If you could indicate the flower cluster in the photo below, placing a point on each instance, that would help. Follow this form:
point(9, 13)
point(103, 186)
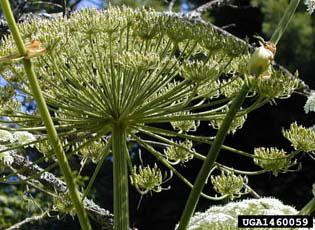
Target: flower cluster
point(229, 184)
point(24, 138)
point(10, 141)
point(180, 152)
point(272, 159)
point(147, 179)
point(225, 217)
point(5, 137)
point(93, 150)
point(185, 125)
point(63, 204)
point(236, 124)
point(301, 138)
point(137, 68)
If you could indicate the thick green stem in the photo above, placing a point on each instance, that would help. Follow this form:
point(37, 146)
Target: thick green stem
point(285, 20)
point(309, 208)
point(210, 160)
point(121, 207)
point(218, 142)
point(51, 131)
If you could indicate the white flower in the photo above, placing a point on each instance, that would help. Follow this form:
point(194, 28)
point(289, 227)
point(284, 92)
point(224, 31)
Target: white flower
point(23, 138)
point(310, 103)
point(225, 217)
point(5, 136)
point(310, 5)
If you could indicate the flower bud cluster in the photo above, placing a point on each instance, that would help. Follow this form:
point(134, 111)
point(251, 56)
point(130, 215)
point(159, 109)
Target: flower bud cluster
point(63, 204)
point(236, 124)
point(146, 179)
point(229, 184)
point(199, 71)
point(272, 159)
point(185, 125)
point(94, 151)
point(182, 152)
point(301, 138)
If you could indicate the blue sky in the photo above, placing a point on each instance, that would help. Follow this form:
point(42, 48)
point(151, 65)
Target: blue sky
point(90, 4)
point(100, 4)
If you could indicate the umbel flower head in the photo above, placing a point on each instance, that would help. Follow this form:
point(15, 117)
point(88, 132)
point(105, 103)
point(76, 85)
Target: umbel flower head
point(180, 153)
point(301, 138)
point(225, 217)
point(147, 179)
point(229, 184)
point(137, 68)
point(272, 159)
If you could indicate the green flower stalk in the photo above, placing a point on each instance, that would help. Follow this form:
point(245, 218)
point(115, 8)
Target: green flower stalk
point(211, 158)
point(259, 67)
point(120, 72)
point(309, 208)
point(36, 91)
point(284, 22)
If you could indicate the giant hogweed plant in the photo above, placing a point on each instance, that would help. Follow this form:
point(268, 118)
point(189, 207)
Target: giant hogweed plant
point(107, 78)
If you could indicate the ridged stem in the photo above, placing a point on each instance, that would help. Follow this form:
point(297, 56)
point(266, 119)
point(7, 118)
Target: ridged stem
point(309, 208)
point(211, 158)
point(121, 206)
point(43, 109)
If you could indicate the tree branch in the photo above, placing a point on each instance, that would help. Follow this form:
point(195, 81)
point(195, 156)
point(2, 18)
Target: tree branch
point(99, 215)
point(171, 5)
point(28, 220)
point(209, 6)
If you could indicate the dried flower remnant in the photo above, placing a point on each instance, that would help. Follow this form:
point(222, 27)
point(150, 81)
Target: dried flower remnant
point(260, 62)
point(33, 49)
